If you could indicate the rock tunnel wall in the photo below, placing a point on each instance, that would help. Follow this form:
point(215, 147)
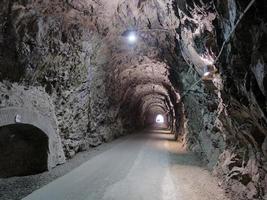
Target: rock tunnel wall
point(53, 46)
point(226, 115)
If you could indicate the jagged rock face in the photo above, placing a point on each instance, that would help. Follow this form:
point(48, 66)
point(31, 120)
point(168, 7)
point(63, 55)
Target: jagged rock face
point(230, 127)
point(243, 66)
point(76, 54)
point(51, 51)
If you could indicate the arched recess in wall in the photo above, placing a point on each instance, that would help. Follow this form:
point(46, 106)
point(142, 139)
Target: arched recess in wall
point(28, 125)
point(24, 150)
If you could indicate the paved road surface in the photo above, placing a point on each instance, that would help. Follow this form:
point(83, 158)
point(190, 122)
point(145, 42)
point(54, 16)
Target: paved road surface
point(145, 166)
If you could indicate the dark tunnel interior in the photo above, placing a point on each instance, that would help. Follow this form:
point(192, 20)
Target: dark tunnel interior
point(24, 150)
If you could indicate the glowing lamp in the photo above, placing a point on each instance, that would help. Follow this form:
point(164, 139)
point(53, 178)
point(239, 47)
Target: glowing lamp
point(132, 38)
point(208, 70)
point(206, 74)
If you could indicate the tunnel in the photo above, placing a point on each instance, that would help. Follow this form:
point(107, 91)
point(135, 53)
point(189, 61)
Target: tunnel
point(24, 150)
point(133, 99)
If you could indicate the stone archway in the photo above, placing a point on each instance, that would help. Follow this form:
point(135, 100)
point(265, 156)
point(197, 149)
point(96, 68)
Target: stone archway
point(36, 135)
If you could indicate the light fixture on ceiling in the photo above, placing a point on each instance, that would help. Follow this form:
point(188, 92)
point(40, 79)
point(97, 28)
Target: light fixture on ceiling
point(132, 37)
point(206, 74)
point(133, 34)
point(209, 70)
point(206, 71)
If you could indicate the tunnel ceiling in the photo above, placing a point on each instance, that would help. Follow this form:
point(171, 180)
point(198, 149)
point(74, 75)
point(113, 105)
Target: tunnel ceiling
point(139, 72)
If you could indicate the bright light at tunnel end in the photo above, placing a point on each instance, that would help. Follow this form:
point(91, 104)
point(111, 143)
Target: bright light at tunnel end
point(159, 119)
point(132, 37)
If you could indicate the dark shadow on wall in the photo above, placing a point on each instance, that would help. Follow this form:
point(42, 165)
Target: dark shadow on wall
point(24, 150)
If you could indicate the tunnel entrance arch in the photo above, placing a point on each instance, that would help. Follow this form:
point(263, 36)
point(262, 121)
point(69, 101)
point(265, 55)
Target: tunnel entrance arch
point(28, 125)
point(24, 150)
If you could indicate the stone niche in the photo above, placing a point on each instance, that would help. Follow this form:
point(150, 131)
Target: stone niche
point(28, 143)
point(24, 150)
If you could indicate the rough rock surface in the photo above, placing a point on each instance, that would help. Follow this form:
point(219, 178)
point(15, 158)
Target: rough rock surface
point(44, 45)
point(226, 115)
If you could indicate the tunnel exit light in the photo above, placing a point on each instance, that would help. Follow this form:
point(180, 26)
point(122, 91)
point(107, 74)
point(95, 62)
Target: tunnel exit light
point(159, 119)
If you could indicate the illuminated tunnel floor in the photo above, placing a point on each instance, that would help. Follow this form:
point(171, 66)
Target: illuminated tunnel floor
point(143, 167)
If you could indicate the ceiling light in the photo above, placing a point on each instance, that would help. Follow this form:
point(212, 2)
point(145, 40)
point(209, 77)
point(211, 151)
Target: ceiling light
point(132, 38)
point(207, 70)
point(206, 74)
